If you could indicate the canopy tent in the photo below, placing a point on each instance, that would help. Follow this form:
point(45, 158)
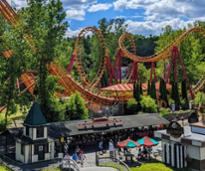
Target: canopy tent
point(147, 141)
point(128, 143)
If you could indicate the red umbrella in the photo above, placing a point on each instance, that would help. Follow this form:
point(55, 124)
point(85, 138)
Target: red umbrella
point(128, 143)
point(147, 141)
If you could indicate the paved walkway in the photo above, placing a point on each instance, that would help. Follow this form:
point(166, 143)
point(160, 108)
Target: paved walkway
point(98, 169)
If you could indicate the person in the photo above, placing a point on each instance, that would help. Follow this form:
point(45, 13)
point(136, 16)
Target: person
point(100, 146)
point(82, 157)
point(75, 157)
point(139, 155)
point(67, 156)
point(111, 148)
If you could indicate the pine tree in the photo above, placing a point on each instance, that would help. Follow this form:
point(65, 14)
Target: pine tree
point(76, 107)
point(184, 89)
point(44, 22)
point(175, 95)
point(185, 104)
point(163, 91)
point(153, 90)
point(141, 91)
point(136, 91)
point(148, 88)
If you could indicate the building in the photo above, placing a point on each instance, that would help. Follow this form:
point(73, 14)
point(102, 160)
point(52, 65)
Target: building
point(184, 148)
point(34, 145)
point(38, 140)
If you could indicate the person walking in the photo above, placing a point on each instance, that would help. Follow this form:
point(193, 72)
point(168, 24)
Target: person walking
point(111, 148)
point(100, 146)
point(82, 157)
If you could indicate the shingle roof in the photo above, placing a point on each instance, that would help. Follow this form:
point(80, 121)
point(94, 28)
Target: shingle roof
point(35, 116)
point(129, 121)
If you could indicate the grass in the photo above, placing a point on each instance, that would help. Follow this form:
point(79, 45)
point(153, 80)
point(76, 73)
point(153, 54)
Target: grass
point(113, 165)
point(152, 167)
point(51, 169)
point(4, 168)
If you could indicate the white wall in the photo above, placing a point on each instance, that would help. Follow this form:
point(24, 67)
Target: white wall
point(19, 157)
point(193, 152)
point(45, 132)
point(34, 133)
point(202, 153)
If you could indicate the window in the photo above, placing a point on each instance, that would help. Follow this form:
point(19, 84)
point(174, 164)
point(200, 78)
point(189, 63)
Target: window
point(22, 149)
point(27, 131)
point(39, 132)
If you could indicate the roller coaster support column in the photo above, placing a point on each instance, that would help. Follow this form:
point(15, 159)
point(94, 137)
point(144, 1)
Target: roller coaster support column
point(118, 65)
point(177, 59)
point(134, 72)
point(72, 61)
point(110, 70)
point(175, 55)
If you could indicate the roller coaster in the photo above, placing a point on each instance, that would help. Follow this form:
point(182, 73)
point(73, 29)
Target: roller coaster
point(84, 86)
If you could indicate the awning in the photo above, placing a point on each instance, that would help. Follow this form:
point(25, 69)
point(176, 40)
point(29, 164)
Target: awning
point(128, 87)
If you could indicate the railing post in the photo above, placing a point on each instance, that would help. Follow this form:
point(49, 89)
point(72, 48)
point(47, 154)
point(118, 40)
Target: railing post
point(96, 159)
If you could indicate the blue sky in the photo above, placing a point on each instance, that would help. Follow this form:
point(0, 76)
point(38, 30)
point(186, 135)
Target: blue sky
point(142, 16)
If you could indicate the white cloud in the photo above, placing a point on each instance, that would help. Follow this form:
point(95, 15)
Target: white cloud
point(99, 7)
point(72, 33)
point(17, 3)
point(76, 9)
point(131, 4)
point(159, 13)
point(154, 28)
point(77, 14)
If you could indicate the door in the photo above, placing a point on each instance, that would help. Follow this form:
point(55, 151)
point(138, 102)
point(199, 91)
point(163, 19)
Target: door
point(41, 153)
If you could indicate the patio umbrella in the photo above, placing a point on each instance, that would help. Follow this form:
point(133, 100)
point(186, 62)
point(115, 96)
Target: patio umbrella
point(147, 141)
point(128, 143)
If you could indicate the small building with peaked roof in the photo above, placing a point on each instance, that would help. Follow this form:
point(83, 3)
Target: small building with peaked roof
point(34, 145)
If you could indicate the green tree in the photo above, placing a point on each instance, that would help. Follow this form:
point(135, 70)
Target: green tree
point(12, 68)
point(191, 51)
point(44, 22)
point(76, 108)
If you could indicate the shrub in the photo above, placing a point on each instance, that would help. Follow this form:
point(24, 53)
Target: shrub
point(200, 98)
point(148, 104)
point(164, 111)
point(2, 125)
point(4, 168)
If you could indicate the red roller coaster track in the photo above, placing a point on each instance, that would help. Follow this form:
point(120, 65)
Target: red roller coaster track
point(64, 79)
point(71, 85)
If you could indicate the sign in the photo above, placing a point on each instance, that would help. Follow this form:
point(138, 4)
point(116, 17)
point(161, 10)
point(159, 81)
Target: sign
point(175, 129)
